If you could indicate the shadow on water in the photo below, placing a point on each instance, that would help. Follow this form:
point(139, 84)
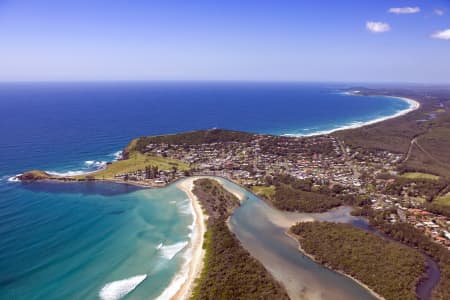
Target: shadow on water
point(83, 188)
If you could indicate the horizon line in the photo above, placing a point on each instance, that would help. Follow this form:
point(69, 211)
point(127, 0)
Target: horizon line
point(226, 81)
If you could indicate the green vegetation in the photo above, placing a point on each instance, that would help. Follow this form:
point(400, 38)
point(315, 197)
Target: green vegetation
point(390, 269)
point(217, 201)
point(418, 187)
point(229, 271)
point(430, 152)
point(35, 175)
point(418, 175)
point(192, 138)
point(137, 161)
point(423, 135)
point(411, 236)
point(264, 191)
point(443, 200)
point(437, 208)
point(291, 199)
point(292, 194)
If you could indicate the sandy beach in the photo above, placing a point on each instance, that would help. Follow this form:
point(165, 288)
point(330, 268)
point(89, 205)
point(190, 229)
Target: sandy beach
point(413, 105)
point(182, 284)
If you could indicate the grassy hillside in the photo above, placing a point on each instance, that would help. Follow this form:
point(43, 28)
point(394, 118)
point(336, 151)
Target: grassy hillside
point(137, 161)
point(390, 269)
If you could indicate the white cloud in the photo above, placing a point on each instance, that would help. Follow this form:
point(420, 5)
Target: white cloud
point(377, 27)
point(439, 12)
point(404, 10)
point(442, 35)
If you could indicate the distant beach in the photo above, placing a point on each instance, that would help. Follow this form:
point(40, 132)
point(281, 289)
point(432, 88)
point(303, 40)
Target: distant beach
point(413, 105)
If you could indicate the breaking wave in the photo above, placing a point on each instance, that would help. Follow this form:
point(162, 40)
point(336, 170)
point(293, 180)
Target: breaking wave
point(13, 178)
point(169, 251)
point(413, 105)
point(186, 207)
point(118, 289)
point(117, 155)
point(89, 166)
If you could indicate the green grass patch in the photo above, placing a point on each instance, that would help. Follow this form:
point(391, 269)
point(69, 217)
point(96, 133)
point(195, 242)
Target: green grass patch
point(443, 200)
point(418, 175)
point(135, 162)
point(264, 191)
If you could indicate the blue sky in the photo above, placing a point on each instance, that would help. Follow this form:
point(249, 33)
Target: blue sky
point(225, 40)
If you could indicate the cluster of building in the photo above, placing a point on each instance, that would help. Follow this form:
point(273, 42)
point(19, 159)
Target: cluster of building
point(435, 226)
point(249, 162)
point(322, 158)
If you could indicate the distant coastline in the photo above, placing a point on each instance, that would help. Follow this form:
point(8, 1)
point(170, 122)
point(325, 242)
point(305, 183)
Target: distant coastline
point(182, 283)
point(413, 105)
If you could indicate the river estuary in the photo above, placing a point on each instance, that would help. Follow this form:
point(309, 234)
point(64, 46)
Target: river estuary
point(261, 230)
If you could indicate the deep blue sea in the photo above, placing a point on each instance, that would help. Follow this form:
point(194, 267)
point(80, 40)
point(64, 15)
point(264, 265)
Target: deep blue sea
point(68, 241)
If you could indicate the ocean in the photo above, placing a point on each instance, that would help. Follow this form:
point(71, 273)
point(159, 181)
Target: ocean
point(107, 241)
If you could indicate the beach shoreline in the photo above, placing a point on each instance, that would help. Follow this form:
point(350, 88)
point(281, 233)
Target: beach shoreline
point(181, 286)
point(413, 106)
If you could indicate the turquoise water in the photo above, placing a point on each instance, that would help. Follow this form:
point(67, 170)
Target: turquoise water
point(76, 238)
point(67, 241)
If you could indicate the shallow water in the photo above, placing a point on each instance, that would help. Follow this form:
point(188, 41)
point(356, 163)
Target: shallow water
point(261, 230)
point(68, 241)
point(121, 240)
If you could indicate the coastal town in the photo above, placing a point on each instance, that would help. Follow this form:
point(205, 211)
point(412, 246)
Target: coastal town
point(371, 175)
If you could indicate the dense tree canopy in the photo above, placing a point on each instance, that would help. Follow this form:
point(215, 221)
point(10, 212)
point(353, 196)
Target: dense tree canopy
point(390, 269)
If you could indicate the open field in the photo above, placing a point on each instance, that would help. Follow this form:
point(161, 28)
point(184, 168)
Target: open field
point(418, 175)
point(264, 191)
point(137, 161)
point(443, 200)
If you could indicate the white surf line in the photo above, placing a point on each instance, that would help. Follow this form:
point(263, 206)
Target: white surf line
point(413, 105)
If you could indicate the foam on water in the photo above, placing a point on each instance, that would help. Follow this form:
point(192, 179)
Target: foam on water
point(117, 155)
point(186, 207)
point(14, 178)
point(118, 289)
point(90, 166)
point(169, 251)
point(180, 278)
point(68, 173)
point(96, 164)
